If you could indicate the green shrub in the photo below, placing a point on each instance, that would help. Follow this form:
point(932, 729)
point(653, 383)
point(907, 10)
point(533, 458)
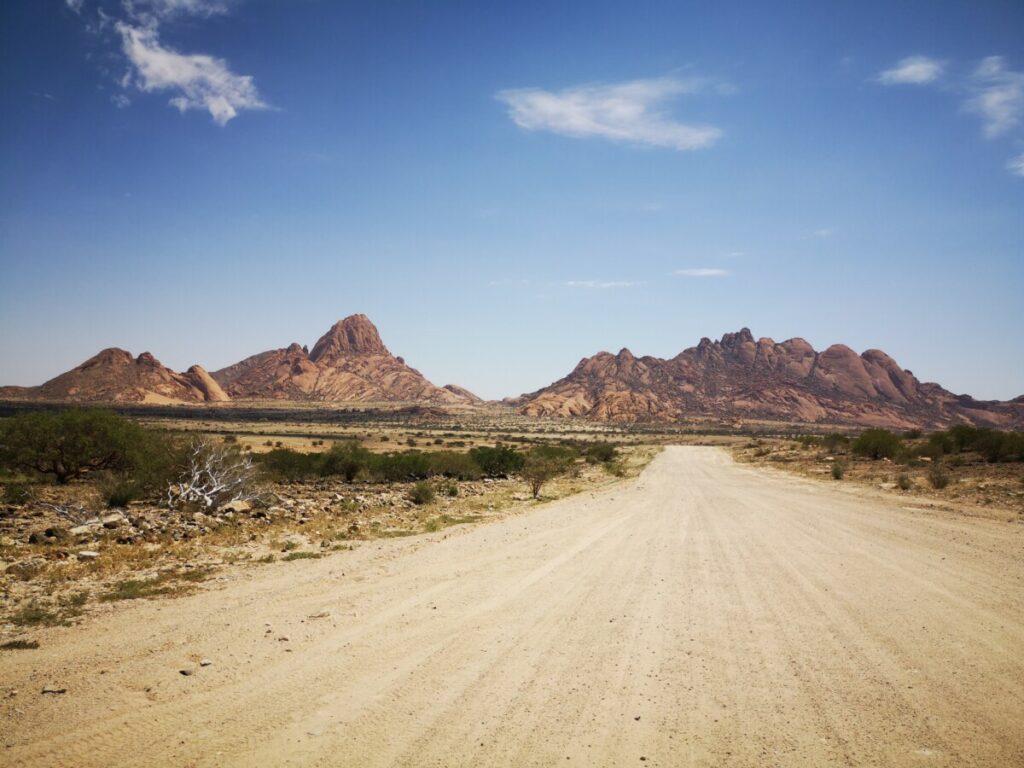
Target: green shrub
point(903, 481)
point(877, 444)
point(834, 441)
point(937, 446)
point(601, 453)
point(615, 468)
point(1000, 446)
point(120, 491)
point(286, 464)
point(401, 467)
point(938, 477)
point(459, 466)
point(348, 459)
point(545, 462)
point(838, 470)
point(500, 461)
point(963, 437)
point(18, 493)
point(422, 493)
point(70, 444)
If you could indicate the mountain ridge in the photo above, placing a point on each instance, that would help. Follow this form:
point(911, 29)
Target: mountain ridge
point(738, 378)
point(349, 363)
point(733, 380)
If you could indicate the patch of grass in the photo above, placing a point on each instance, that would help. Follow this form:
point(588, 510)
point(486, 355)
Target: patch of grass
point(135, 589)
point(396, 534)
point(18, 493)
point(938, 476)
point(26, 571)
point(838, 470)
point(168, 583)
point(903, 481)
point(20, 645)
point(422, 493)
point(615, 468)
point(445, 521)
point(267, 559)
point(301, 556)
point(35, 615)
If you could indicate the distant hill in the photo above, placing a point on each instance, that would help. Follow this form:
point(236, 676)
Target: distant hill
point(731, 381)
point(739, 378)
point(348, 363)
point(114, 376)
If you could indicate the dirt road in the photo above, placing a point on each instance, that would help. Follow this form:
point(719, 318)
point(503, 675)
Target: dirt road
point(704, 614)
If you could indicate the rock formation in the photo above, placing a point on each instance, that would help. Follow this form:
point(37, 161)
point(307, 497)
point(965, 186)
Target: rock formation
point(348, 363)
point(742, 379)
point(114, 376)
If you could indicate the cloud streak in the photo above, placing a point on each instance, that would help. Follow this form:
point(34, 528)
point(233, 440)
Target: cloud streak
point(199, 81)
point(195, 81)
point(629, 112)
point(998, 96)
point(702, 272)
point(164, 9)
point(913, 70)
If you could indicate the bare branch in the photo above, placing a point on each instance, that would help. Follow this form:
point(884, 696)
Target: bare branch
point(212, 477)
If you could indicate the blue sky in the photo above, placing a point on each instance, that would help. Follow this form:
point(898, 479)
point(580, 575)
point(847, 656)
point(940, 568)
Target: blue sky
point(507, 187)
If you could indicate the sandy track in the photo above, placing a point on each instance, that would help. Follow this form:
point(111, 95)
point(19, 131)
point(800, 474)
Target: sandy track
point(705, 614)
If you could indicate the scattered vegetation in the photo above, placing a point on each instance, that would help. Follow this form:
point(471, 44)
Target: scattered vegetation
point(20, 645)
point(18, 493)
point(301, 556)
point(877, 444)
point(35, 615)
point(938, 477)
point(422, 493)
point(66, 445)
point(168, 583)
point(544, 463)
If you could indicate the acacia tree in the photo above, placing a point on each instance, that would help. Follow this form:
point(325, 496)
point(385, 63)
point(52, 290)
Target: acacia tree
point(544, 463)
point(70, 444)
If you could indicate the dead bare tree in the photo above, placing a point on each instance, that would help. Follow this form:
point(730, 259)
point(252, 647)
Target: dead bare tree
point(76, 514)
point(212, 476)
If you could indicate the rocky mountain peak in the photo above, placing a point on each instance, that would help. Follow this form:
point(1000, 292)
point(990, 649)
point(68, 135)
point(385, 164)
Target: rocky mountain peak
point(355, 335)
point(738, 378)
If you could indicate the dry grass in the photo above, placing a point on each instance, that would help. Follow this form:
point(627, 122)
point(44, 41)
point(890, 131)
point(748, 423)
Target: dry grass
point(971, 485)
point(46, 588)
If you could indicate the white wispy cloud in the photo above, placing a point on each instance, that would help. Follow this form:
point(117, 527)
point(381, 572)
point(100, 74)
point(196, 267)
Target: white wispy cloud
point(913, 70)
point(627, 112)
point(702, 272)
point(1016, 165)
point(163, 9)
point(997, 95)
point(824, 232)
point(199, 81)
point(602, 283)
point(193, 80)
